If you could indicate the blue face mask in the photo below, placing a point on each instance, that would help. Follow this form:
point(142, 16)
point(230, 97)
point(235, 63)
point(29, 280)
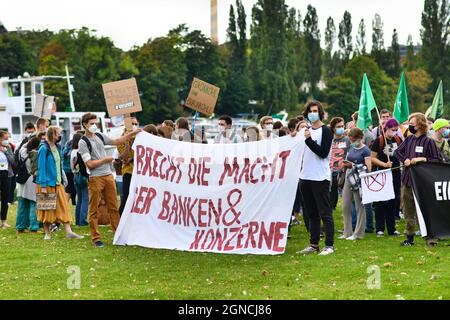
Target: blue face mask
point(446, 133)
point(313, 117)
point(340, 131)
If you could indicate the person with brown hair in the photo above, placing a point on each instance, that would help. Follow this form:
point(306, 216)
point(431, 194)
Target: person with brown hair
point(151, 128)
point(315, 178)
point(415, 149)
point(339, 149)
point(251, 134)
point(101, 180)
point(50, 180)
point(358, 155)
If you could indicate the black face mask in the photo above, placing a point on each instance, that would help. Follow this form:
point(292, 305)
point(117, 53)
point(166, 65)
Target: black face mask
point(59, 139)
point(412, 129)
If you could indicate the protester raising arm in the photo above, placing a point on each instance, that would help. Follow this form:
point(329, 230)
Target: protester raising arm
point(322, 150)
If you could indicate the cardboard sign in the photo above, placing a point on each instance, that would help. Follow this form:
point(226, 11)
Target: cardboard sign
point(202, 97)
point(122, 97)
point(43, 106)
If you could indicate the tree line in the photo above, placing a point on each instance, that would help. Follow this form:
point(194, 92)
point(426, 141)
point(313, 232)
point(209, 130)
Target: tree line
point(280, 64)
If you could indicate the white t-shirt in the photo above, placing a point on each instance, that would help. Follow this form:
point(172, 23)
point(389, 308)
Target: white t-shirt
point(3, 162)
point(314, 167)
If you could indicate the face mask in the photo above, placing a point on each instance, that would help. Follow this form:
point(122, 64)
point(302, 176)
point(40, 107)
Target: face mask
point(430, 133)
point(269, 127)
point(221, 129)
point(59, 139)
point(356, 144)
point(313, 117)
point(340, 131)
point(135, 128)
point(5, 143)
point(93, 128)
point(446, 133)
point(412, 129)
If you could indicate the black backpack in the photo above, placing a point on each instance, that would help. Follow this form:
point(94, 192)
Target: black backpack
point(22, 171)
point(17, 156)
point(81, 165)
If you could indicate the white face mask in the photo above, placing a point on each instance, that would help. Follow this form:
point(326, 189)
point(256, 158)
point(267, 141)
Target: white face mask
point(135, 128)
point(93, 128)
point(5, 143)
point(269, 127)
point(222, 129)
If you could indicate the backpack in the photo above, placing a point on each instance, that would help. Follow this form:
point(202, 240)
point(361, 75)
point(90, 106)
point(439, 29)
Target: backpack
point(66, 156)
point(21, 171)
point(17, 155)
point(81, 165)
point(381, 141)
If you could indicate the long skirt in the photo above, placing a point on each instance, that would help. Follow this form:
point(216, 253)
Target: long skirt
point(62, 213)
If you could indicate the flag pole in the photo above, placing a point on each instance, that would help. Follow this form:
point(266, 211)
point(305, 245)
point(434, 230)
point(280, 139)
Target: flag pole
point(384, 136)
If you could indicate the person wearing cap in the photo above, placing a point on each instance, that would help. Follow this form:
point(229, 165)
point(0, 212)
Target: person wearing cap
point(441, 134)
point(383, 158)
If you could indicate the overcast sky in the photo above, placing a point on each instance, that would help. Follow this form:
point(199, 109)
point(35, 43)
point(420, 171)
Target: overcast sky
point(133, 22)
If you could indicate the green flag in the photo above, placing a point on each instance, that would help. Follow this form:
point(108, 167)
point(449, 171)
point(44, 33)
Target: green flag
point(366, 105)
point(437, 108)
point(401, 109)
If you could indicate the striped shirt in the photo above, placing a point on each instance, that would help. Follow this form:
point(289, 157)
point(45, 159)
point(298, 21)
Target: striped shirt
point(416, 147)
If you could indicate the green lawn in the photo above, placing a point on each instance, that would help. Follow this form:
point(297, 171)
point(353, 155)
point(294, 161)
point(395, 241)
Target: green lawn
point(31, 268)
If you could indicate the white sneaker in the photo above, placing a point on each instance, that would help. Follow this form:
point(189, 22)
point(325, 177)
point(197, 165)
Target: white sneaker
point(47, 237)
point(396, 234)
point(73, 235)
point(418, 233)
point(380, 234)
point(352, 238)
point(326, 251)
point(342, 237)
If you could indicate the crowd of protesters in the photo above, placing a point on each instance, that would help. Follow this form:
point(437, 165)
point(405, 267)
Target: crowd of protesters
point(82, 173)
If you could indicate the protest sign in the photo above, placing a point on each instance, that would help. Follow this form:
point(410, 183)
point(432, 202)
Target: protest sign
point(234, 198)
point(122, 98)
point(202, 97)
point(43, 106)
point(377, 186)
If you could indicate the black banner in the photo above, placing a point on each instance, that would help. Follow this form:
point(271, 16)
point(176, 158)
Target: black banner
point(431, 186)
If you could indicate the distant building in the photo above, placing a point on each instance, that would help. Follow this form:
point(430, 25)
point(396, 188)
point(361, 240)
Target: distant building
point(2, 28)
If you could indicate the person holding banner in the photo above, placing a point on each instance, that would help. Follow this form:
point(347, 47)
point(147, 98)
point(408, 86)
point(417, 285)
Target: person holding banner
point(415, 149)
point(50, 180)
point(315, 178)
point(101, 181)
point(358, 154)
point(383, 158)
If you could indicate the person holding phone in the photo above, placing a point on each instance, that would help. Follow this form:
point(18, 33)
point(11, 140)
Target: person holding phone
point(358, 154)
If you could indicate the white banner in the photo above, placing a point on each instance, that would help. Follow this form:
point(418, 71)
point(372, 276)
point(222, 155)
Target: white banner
point(234, 198)
point(377, 186)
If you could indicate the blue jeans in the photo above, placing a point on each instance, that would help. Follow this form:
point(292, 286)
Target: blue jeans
point(369, 217)
point(26, 215)
point(81, 210)
point(119, 187)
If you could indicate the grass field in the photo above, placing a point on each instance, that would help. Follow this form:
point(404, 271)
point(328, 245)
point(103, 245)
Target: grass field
point(31, 268)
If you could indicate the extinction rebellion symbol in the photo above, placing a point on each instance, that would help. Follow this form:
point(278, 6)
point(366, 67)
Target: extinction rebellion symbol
point(375, 183)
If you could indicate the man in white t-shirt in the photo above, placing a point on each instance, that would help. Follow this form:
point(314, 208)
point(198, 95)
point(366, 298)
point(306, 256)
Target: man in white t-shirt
point(315, 178)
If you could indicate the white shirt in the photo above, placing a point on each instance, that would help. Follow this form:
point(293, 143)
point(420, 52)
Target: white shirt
point(3, 162)
point(314, 167)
